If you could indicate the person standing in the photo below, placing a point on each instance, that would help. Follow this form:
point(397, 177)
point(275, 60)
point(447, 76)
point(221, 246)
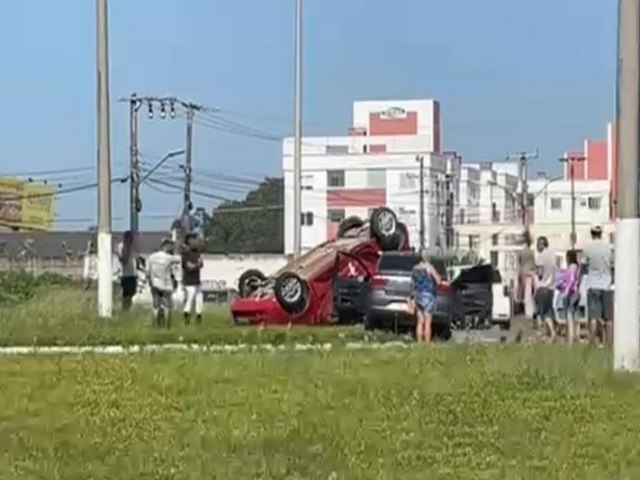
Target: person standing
point(424, 283)
point(568, 296)
point(598, 258)
point(126, 251)
point(191, 266)
point(546, 266)
point(526, 261)
point(160, 268)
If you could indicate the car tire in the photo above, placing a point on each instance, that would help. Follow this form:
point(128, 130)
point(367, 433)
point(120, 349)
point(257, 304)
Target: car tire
point(248, 282)
point(348, 224)
point(292, 293)
point(397, 240)
point(383, 225)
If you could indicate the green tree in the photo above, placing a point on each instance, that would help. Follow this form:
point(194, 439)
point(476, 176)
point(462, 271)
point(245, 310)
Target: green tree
point(252, 225)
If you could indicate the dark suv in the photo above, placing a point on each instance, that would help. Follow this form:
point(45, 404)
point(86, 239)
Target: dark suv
point(466, 303)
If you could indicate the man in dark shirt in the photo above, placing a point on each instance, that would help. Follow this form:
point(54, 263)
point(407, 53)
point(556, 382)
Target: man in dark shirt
point(191, 266)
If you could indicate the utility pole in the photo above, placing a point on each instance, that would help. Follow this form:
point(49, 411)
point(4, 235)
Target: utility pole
point(163, 103)
point(523, 159)
point(105, 274)
point(297, 149)
point(626, 331)
point(420, 160)
point(571, 161)
point(188, 170)
point(448, 213)
point(134, 165)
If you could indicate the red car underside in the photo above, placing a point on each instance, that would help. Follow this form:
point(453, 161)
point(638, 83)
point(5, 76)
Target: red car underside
point(347, 257)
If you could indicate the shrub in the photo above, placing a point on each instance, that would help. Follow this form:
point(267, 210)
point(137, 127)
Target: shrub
point(17, 287)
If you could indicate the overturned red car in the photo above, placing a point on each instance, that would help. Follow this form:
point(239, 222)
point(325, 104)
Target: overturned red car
point(302, 292)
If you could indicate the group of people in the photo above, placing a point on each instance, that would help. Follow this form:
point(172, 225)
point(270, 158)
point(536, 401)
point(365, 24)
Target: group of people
point(552, 295)
point(161, 270)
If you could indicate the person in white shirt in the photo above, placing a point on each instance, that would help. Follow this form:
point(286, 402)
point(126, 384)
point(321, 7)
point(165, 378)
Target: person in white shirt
point(126, 251)
point(162, 281)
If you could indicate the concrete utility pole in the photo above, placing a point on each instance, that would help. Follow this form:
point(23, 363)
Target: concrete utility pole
point(134, 164)
point(420, 160)
point(448, 213)
point(188, 170)
point(571, 161)
point(297, 149)
point(105, 273)
point(523, 173)
point(626, 331)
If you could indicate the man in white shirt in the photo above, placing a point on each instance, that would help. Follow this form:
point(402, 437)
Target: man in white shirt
point(598, 258)
point(162, 281)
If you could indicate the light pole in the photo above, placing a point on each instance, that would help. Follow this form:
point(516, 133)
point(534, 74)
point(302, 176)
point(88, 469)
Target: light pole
point(105, 280)
point(297, 148)
point(626, 330)
point(571, 162)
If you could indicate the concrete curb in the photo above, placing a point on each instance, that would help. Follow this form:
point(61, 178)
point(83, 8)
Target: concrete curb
point(192, 348)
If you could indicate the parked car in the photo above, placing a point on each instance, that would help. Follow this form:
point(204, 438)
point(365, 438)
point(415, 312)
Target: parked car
point(464, 303)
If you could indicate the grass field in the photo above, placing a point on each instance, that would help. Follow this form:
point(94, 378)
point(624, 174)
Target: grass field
point(434, 412)
point(68, 317)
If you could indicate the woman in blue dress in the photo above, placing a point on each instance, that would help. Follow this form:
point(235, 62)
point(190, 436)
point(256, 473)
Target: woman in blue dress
point(424, 288)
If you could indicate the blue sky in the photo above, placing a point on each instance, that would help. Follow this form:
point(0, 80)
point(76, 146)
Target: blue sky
point(509, 74)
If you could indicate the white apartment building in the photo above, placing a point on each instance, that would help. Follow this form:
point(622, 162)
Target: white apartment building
point(375, 165)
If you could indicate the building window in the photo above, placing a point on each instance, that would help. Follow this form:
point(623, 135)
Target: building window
point(306, 219)
point(336, 215)
point(377, 178)
point(556, 203)
point(495, 238)
point(461, 219)
point(337, 149)
point(493, 254)
point(335, 178)
point(595, 203)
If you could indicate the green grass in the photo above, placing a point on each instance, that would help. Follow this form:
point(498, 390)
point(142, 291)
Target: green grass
point(69, 317)
point(427, 413)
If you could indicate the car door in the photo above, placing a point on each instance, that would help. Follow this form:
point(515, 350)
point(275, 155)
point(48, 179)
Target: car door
point(472, 293)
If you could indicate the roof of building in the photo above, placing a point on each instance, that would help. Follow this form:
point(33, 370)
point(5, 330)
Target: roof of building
point(65, 244)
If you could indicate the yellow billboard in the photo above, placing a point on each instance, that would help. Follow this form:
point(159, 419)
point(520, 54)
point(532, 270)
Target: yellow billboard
point(26, 205)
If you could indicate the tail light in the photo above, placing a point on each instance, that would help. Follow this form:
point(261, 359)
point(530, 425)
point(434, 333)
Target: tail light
point(444, 287)
point(378, 282)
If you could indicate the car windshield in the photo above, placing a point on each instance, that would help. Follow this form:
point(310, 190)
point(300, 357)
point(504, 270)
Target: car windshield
point(397, 262)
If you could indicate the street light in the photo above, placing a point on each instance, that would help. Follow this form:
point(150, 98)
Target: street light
point(171, 154)
point(571, 161)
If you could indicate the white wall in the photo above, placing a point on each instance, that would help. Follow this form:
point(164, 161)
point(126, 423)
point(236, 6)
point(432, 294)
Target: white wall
point(553, 202)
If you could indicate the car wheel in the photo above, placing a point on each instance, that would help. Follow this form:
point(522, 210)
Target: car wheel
point(384, 225)
point(249, 282)
point(292, 292)
point(349, 223)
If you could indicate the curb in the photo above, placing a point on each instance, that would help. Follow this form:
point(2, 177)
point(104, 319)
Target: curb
point(193, 348)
